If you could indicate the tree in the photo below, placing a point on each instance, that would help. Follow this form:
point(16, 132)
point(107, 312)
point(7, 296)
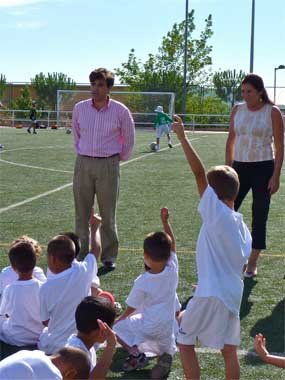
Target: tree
point(164, 71)
point(47, 86)
point(23, 102)
point(228, 85)
point(3, 85)
point(207, 105)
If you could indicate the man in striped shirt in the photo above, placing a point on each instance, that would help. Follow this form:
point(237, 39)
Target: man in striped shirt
point(103, 131)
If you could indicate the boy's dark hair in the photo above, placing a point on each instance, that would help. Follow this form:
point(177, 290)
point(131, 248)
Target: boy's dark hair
point(92, 308)
point(102, 73)
point(62, 248)
point(22, 256)
point(224, 180)
point(75, 238)
point(157, 245)
point(76, 358)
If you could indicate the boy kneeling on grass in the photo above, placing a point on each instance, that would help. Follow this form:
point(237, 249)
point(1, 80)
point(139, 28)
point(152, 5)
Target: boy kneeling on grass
point(223, 247)
point(94, 317)
point(148, 324)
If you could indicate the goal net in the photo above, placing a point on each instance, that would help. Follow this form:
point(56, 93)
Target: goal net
point(141, 104)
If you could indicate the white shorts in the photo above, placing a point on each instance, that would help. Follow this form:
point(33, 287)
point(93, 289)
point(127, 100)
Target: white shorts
point(161, 130)
point(209, 321)
point(135, 331)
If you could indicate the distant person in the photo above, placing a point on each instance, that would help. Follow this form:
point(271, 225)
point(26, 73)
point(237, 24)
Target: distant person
point(223, 247)
point(148, 323)
point(103, 130)
point(33, 118)
point(260, 348)
point(94, 318)
point(255, 149)
point(162, 125)
point(68, 363)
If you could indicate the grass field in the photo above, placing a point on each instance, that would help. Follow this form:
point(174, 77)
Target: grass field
point(36, 199)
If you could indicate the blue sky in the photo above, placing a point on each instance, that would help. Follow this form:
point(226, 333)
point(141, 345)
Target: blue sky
point(75, 36)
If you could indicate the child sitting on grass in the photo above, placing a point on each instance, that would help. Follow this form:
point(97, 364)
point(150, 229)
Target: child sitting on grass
point(9, 275)
point(68, 363)
point(148, 323)
point(94, 317)
point(223, 247)
point(70, 282)
point(20, 323)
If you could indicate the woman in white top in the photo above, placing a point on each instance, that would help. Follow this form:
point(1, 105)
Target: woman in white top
point(255, 149)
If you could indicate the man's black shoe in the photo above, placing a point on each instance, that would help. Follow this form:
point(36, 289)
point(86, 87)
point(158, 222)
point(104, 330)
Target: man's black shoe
point(109, 265)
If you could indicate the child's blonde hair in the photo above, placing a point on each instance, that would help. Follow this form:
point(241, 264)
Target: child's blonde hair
point(33, 242)
point(224, 180)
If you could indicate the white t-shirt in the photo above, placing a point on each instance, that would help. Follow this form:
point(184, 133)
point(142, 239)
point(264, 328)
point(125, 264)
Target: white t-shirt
point(223, 247)
point(26, 365)
point(74, 341)
point(95, 281)
point(59, 297)
point(20, 301)
point(8, 275)
point(154, 296)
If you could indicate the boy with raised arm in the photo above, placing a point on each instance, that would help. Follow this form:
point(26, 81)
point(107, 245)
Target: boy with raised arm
point(223, 247)
point(148, 323)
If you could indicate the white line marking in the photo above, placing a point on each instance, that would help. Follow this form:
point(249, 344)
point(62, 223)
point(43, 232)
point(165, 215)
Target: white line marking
point(35, 147)
point(28, 200)
point(34, 198)
point(35, 167)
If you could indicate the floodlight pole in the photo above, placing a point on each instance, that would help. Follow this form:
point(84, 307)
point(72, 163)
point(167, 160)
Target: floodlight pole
point(184, 94)
point(252, 36)
point(280, 67)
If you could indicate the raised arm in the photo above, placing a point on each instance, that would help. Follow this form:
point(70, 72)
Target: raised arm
point(260, 348)
point(164, 214)
point(230, 144)
point(192, 157)
point(95, 238)
point(278, 136)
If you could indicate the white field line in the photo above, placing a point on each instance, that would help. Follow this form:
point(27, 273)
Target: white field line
point(35, 167)
point(28, 200)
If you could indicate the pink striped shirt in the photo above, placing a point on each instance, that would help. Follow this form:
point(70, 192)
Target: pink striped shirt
point(105, 132)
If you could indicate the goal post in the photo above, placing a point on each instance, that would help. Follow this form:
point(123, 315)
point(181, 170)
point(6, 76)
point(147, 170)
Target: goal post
point(141, 104)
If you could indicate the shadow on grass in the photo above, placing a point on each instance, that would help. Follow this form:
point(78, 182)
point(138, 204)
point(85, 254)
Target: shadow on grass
point(272, 327)
point(246, 305)
point(116, 368)
point(184, 304)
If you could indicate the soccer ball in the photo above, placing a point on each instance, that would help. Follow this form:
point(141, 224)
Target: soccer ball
point(153, 147)
point(68, 131)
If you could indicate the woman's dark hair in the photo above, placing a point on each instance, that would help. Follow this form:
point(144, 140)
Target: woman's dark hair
point(257, 83)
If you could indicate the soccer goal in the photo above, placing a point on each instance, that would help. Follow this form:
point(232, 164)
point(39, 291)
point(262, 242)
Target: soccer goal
point(141, 104)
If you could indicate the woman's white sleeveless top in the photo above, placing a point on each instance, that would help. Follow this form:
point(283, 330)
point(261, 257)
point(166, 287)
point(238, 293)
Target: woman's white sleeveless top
point(253, 130)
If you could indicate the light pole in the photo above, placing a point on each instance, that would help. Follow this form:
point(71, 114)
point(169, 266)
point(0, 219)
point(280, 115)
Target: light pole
point(184, 94)
point(252, 36)
point(280, 67)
